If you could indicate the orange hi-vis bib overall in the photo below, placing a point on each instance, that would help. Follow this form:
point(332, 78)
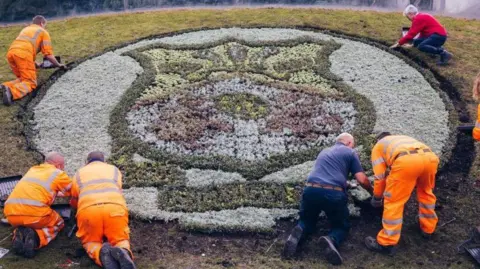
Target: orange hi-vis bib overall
point(21, 58)
point(412, 164)
point(102, 210)
point(476, 130)
point(29, 203)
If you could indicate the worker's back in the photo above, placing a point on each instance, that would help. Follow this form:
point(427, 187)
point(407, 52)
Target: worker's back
point(31, 40)
point(389, 147)
point(33, 194)
point(98, 183)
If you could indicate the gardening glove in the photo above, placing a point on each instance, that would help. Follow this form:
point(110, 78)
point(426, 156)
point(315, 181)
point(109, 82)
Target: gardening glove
point(376, 202)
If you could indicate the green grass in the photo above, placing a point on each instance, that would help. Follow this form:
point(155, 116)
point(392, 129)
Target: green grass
point(76, 38)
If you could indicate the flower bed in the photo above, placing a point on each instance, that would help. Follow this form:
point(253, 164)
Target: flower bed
point(221, 127)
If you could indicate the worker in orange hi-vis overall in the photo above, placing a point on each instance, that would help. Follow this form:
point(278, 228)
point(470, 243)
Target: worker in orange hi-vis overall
point(410, 164)
point(102, 213)
point(28, 206)
point(21, 58)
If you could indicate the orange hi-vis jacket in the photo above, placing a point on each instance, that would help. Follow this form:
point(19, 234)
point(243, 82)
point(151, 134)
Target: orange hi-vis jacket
point(97, 183)
point(476, 130)
point(36, 191)
point(384, 154)
point(32, 40)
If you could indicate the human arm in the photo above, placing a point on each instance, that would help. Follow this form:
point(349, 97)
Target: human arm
point(380, 171)
point(62, 183)
point(74, 193)
point(47, 50)
point(362, 179)
point(417, 26)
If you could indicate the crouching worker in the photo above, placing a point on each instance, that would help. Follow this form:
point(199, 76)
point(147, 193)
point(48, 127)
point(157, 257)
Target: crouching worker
point(412, 164)
point(21, 58)
point(476, 96)
point(28, 206)
point(325, 190)
point(102, 213)
point(432, 34)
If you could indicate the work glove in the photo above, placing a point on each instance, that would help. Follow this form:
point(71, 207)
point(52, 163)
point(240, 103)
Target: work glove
point(376, 202)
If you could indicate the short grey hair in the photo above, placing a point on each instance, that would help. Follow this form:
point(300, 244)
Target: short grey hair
point(344, 136)
point(410, 9)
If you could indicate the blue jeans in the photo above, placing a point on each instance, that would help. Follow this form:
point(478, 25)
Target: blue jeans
point(432, 44)
point(333, 203)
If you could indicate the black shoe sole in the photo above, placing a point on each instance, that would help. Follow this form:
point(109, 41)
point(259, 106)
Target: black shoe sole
point(122, 258)
point(17, 244)
point(108, 262)
point(291, 245)
point(331, 253)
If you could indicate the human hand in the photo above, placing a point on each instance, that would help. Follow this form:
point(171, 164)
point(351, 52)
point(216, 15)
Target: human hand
point(407, 46)
point(394, 46)
point(62, 66)
point(376, 202)
point(38, 65)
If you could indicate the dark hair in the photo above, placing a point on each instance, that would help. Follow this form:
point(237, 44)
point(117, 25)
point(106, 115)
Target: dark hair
point(39, 19)
point(95, 156)
point(381, 135)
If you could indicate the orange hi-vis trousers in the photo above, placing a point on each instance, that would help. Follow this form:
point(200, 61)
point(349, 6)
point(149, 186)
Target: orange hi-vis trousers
point(47, 227)
point(407, 172)
point(23, 66)
point(103, 220)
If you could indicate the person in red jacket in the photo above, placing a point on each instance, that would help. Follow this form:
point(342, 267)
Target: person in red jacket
point(432, 34)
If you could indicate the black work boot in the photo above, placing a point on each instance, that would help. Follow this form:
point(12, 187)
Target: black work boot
point(106, 257)
point(372, 244)
point(18, 241)
point(426, 236)
point(331, 253)
point(122, 256)
point(291, 245)
point(445, 56)
point(476, 235)
point(7, 95)
point(32, 241)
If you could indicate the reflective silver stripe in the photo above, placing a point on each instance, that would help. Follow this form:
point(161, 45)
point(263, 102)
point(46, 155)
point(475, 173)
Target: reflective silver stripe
point(378, 161)
point(69, 187)
point(97, 181)
point(477, 124)
point(47, 235)
point(387, 194)
point(380, 176)
point(400, 143)
point(24, 202)
point(23, 88)
point(426, 206)
point(428, 216)
point(46, 43)
point(99, 191)
point(391, 232)
point(47, 185)
point(32, 40)
point(393, 222)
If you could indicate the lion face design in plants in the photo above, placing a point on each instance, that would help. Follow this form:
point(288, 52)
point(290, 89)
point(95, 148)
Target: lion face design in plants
point(219, 128)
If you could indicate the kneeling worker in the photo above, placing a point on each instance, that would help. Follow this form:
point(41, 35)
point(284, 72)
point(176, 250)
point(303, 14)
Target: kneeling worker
point(432, 34)
point(21, 58)
point(28, 206)
point(325, 191)
point(102, 212)
point(412, 164)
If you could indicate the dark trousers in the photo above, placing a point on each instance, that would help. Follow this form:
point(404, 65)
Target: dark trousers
point(432, 44)
point(333, 203)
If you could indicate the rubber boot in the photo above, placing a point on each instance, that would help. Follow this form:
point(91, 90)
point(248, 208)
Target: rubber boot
point(7, 95)
point(331, 253)
point(32, 241)
point(291, 245)
point(18, 241)
point(106, 257)
point(372, 244)
point(122, 256)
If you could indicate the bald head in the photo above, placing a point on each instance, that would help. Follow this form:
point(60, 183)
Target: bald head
point(346, 139)
point(55, 159)
point(95, 156)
